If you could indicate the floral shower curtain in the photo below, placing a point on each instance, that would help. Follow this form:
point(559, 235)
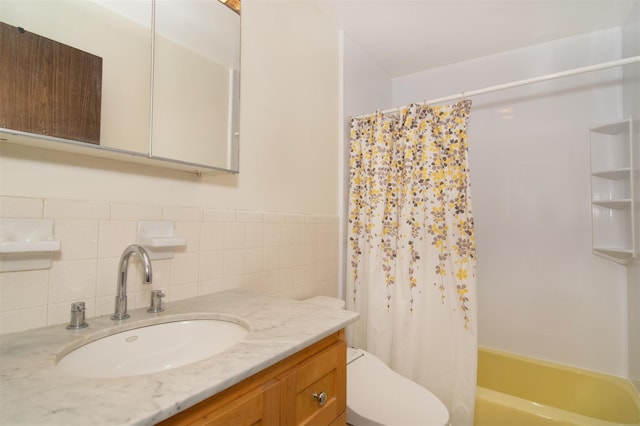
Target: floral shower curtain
point(411, 249)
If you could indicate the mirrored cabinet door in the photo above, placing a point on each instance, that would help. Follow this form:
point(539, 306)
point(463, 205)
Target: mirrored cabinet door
point(116, 32)
point(196, 82)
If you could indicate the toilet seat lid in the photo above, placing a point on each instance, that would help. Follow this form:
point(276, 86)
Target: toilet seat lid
point(379, 394)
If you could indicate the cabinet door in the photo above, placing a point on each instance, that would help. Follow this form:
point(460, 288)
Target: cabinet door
point(315, 392)
point(196, 83)
point(48, 88)
point(260, 406)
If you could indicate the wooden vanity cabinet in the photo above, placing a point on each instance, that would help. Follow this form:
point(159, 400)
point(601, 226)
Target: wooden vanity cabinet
point(308, 388)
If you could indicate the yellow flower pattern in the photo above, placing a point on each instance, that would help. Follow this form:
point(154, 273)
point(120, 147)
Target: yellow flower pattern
point(409, 183)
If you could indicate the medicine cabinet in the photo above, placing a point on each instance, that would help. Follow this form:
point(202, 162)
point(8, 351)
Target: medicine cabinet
point(612, 191)
point(61, 83)
point(155, 109)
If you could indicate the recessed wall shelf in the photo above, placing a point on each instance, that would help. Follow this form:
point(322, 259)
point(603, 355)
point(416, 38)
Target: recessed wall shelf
point(612, 192)
point(26, 244)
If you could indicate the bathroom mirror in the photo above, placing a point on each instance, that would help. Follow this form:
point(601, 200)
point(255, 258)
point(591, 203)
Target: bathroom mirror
point(196, 82)
point(124, 44)
point(194, 124)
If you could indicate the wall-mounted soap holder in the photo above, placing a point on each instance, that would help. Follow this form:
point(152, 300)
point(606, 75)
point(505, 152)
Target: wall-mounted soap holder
point(26, 244)
point(159, 239)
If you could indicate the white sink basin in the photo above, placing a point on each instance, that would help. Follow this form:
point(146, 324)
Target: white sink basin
point(152, 348)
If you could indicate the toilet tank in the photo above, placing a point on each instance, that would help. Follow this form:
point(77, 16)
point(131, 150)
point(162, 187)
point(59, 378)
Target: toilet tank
point(326, 301)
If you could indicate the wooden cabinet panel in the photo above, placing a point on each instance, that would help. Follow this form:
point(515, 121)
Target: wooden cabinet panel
point(317, 403)
point(48, 88)
point(259, 406)
point(341, 420)
point(320, 387)
point(282, 395)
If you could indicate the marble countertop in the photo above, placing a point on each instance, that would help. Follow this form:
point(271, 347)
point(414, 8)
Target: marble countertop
point(33, 391)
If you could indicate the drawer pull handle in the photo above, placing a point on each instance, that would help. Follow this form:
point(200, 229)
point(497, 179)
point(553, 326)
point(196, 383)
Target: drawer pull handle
point(320, 397)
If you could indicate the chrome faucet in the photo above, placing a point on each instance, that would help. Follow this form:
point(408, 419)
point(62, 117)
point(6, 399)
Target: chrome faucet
point(77, 316)
point(121, 299)
point(156, 302)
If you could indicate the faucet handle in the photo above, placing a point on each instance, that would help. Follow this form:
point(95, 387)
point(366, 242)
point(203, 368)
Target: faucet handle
point(77, 316)
point(156, 302)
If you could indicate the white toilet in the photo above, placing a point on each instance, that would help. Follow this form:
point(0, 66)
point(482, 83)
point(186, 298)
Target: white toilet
point(378, 396)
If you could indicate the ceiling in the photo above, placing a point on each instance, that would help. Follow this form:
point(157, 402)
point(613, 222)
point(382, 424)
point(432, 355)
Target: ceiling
point(407, 36)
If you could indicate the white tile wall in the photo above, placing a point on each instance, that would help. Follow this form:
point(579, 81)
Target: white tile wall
point(275, 253)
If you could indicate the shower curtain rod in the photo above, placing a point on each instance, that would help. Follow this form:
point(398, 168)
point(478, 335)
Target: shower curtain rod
point(498, 87)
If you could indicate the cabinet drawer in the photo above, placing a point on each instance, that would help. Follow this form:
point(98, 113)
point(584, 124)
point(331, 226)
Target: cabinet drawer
point(319, 387)
point(310, 409)
point(259, 406)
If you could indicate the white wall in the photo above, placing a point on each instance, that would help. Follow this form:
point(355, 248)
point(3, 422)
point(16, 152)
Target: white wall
point(288, 165)
point(631, 47)
point(289, 123)
point(366, 87)
point(542, 293)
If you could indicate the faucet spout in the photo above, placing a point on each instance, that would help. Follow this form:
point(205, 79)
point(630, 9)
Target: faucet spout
point(121, 298)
